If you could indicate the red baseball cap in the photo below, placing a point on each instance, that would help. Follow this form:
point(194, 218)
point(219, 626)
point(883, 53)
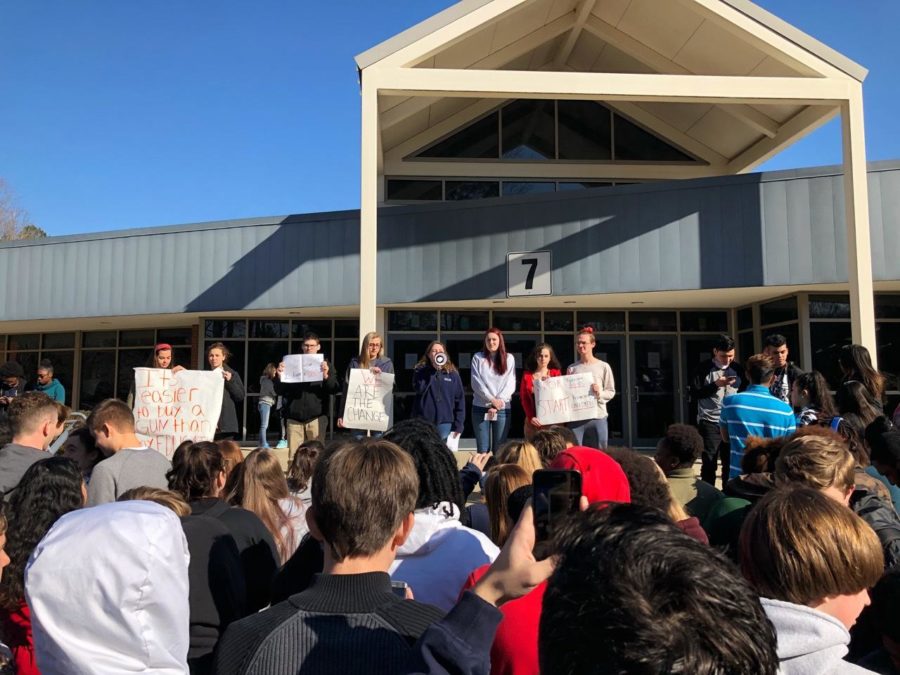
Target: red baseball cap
point(602, 479)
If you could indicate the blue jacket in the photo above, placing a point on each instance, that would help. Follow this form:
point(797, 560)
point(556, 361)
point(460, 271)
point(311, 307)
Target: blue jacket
point(54, 390)
point(440, 397)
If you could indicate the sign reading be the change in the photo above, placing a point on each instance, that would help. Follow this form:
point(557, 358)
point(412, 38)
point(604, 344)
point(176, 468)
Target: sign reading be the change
point(567, 398)
point(170, 408)
point(370, 401)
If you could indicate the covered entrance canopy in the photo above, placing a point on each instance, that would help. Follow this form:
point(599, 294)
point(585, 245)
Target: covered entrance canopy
point(724, 82)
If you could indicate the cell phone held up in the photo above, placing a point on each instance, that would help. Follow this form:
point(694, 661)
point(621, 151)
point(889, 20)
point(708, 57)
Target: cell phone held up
point(557, 493)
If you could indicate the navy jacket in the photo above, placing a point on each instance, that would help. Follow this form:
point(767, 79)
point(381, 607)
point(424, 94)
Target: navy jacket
point(440, 397)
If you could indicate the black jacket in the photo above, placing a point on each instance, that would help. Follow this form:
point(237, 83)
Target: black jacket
point(793, 371)
point(218, 594)
point(305, 401)
point(881, 517)
point(259, 557)
point(234, 394)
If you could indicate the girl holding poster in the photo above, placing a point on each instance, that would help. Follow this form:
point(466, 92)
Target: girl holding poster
point(440, 397)
point(539, 366)
point(371, 357)
point(593, 432)
point(493, 384)
point(228, 428)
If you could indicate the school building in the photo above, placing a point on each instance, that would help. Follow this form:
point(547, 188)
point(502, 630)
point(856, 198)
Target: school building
point(535, 165)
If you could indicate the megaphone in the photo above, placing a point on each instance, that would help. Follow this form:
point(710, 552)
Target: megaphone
point(440, 359)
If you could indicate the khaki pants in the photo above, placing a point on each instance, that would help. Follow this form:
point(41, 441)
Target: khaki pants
point(300, 432)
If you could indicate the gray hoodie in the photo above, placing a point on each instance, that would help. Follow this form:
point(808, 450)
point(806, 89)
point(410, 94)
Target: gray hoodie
point(810, 642)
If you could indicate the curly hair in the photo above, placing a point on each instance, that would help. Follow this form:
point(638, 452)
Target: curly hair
point(648, 485)
point(683, 442)
point(435, 464)
point(49, 489)
point(195, 467)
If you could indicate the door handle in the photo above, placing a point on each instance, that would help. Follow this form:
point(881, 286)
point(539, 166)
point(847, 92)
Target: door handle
point(637, 394)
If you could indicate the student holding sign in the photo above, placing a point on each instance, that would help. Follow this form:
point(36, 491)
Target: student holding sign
point(593, 432)
point(228, 427)
point(541, 365)
point(305, 403)
point(493, 384)
point(371, 357)
point(440, 397)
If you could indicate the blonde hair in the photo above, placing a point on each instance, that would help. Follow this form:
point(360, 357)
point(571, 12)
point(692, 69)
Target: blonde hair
point(363, 358)
point(816, 461)
point(800, 546)
point(522, 453)
point(231, 453)
point(171, 500)
point(258, 484)
point(502, 481)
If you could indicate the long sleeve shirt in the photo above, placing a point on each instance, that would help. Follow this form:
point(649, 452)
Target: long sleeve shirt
point(488, 384)
point(603, 376)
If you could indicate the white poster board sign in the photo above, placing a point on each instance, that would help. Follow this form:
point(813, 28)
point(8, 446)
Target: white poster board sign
point(567, 398)
point(302, 368)
point(170, 408)
point(370, 400)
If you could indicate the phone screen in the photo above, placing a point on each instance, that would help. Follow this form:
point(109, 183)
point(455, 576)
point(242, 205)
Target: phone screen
point(556, 494)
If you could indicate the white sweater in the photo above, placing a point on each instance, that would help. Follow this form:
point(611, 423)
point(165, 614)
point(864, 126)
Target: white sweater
point(487, 384)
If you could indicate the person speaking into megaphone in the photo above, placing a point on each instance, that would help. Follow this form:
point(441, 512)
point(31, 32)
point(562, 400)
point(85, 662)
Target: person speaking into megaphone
point(440, 397)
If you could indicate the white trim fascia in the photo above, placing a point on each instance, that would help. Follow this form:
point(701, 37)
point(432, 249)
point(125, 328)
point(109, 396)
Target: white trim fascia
point(510, 84)
point(450, 26)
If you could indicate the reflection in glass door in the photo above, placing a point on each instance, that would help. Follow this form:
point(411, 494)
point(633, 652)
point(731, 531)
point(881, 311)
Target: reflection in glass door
point(653, 389)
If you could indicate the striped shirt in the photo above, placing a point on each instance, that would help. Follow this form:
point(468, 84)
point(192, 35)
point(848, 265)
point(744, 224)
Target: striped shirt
point(754, 412)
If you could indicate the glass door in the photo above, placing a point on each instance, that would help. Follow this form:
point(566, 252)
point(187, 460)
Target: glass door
point(612, 349)
point(654, 398)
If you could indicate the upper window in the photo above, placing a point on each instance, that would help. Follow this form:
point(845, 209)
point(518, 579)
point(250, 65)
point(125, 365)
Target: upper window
point(538, 130)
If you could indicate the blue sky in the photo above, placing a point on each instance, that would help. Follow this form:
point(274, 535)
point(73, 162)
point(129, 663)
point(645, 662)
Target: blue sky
point(133, 114)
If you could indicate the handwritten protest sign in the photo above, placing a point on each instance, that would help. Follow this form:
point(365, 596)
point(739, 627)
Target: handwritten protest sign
point(565, 399)
point(302, 368)
point(173, 407)
point(370, 400)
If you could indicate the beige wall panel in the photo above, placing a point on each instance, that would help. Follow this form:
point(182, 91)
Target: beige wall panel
point(717, 130)
point(519, 23)
point(560, 7)
point(411, 126)
point(664, 26)
point(714, 51)
point(519, 63)
point(586, 51)
point(387, 102)
point(770, 67)
point(611, 11)
point(443, 108)
point(467, 51)
point(682, 116)
point(612, 60)
point(544, 53)
point(779, 113)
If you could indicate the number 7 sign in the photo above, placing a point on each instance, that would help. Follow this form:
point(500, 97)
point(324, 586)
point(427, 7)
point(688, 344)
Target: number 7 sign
point(528, 273)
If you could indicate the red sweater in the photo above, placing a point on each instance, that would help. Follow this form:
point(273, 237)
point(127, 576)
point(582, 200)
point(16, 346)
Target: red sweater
point(515, 648)
point(526, 393)
point(17, 630)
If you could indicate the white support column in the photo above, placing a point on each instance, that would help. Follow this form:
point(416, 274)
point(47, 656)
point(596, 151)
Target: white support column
point(368, 208)
point(856, 214)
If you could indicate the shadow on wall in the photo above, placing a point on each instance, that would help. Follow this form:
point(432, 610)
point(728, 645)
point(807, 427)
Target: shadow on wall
point(329, 244)
point(605, 240)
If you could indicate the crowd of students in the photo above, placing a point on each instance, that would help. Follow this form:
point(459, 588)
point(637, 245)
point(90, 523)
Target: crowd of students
point(376, 555)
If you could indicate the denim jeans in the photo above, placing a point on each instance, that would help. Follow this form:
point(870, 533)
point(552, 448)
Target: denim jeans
point(591, 433)
point(489, 436)
point(264, 410)
point(359, 434)
point(443, 429)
